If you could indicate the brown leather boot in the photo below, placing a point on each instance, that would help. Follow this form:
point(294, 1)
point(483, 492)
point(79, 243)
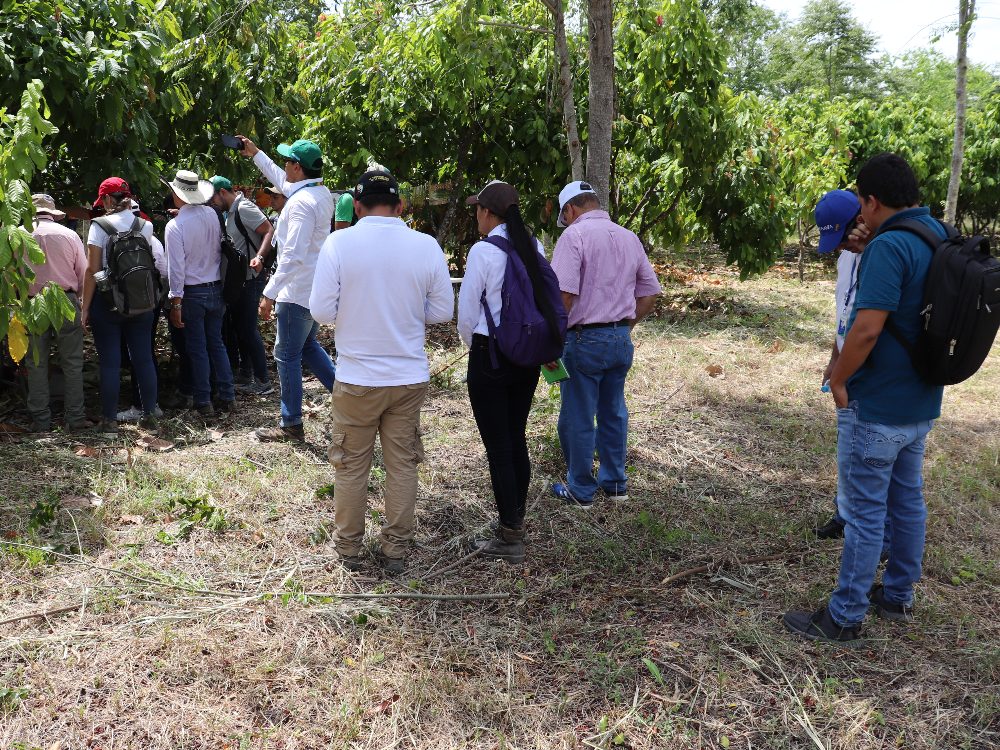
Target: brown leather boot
point(505, 544)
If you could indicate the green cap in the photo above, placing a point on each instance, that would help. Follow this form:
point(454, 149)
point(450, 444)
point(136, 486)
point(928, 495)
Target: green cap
point(221, 183)
point(304, 152)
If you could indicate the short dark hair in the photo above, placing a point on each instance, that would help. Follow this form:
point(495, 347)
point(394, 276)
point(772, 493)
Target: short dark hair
point(585, 200)
point(889, 178)
point(378, 199)
point(312, 174)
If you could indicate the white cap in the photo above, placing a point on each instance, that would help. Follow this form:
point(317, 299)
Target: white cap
point(568, 193)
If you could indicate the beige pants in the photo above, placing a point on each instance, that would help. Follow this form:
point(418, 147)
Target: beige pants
point(359, 413)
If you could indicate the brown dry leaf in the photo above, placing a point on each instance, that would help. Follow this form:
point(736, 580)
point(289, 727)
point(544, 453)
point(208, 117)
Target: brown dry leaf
point(87, 451)
point(133, 520)
point(75, 501)
point(714, 370)
point(215, 435)
point(151, 443)
point(8, 428)
point(777, 346)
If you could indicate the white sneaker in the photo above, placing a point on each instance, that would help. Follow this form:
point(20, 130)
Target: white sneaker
point(132, 414)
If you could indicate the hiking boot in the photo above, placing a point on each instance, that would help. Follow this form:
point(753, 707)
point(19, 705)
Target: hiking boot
point(391, 565)
point(80, 425)
point(180, 402)
point(561, 491)
point(150, 421)
point(832, 529)
point(205, 410)
point(244, 378)
point(41, 427)
point(503, 544)
point(889, 610)
point(353, 564)
point(819, 626)
point(294, 434)
point(107, 427)
point(226, 407)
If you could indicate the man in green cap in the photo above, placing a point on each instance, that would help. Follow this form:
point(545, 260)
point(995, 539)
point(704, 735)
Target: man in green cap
point(305, 224)
point(251, 232)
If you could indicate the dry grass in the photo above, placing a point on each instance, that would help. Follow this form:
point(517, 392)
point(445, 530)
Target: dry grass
point(590, 650)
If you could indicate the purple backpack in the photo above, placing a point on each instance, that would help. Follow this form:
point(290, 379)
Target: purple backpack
point(523, 335)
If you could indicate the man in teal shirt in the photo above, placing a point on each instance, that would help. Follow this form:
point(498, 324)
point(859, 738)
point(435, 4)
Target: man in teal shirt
point(884, 413)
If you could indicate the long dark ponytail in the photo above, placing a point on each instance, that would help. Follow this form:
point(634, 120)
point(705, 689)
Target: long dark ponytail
point(527, 251)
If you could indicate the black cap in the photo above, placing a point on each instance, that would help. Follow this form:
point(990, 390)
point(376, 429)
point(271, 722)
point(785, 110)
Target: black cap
point(376, 182)
point(497, 196)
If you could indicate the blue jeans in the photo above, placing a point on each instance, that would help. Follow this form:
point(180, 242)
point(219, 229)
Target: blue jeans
point(249, 354)
point(295, 344)
point(597, 360)
point(201, 312)
point(109, 329)
point(880, 477)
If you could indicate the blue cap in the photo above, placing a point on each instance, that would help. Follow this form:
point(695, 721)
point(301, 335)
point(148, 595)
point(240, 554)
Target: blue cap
point(834, 213)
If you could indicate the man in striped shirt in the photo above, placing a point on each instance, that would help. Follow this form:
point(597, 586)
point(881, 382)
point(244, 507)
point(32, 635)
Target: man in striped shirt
point(608, 285)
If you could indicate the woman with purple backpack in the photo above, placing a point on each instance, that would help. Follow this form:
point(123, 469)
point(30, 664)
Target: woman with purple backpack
point(504, 361)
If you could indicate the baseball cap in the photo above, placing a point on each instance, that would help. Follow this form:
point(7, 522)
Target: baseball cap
point(834, 213)
point(221, 183)
point(497, 196)
point(109, 186)
point(568, 193)
point(376, 182)
point(304, 152)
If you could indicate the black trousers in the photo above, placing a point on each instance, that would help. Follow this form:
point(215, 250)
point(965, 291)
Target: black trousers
point(501, 400)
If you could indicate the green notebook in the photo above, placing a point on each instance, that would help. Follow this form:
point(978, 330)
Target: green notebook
point(556, 375)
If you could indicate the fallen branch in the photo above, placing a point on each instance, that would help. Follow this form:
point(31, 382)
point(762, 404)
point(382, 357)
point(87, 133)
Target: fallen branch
point(458, 563)
point(412, 595)
point(46, 613)
point(718, 565)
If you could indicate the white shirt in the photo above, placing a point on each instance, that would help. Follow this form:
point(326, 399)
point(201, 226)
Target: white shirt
point(484, 269)
point(381, 283)
point(847, 287)
point(194, 248)
point(305, 223)
point(159, 257)
point(121, 221)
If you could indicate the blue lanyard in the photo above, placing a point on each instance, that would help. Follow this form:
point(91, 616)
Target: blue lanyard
point(851, 287)
point(301, 187)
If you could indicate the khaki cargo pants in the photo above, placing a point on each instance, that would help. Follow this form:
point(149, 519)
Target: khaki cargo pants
point(359, 413)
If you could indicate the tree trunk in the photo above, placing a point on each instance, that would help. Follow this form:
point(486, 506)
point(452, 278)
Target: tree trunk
point(566, 88)
point(458, 189)
point(966, 10)
point(600, 19)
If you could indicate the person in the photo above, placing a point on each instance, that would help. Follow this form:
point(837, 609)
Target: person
point(305, 223)
point(134, 412)
point(380, 283)
point(109, 326)
point(266, 259)
point(194, 258)
point(608, 285)
point(884, 413)
point(344, 215)
point(251, 232)
point(837, 215)
point(501, 395)
point(66, 266)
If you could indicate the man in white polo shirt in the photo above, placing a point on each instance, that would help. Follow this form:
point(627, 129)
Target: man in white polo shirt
point(305, 223)
point(381, 283)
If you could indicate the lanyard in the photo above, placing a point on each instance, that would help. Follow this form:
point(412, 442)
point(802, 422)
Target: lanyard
point(301, 187)
point(850, 289)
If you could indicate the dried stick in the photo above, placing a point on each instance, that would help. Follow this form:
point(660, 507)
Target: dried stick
point(713, 566)
point(46, 613)
point(411, 595)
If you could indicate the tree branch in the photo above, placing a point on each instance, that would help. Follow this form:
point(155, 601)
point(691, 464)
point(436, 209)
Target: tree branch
point(519, 27)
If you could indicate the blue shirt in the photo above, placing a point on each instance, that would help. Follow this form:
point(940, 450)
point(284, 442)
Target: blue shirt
point(893, 271)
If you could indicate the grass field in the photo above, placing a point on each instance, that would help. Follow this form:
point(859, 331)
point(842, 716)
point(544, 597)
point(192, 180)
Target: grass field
point(195, 602)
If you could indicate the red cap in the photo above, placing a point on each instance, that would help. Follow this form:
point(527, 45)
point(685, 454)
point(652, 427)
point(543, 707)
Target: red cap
point(112, 185)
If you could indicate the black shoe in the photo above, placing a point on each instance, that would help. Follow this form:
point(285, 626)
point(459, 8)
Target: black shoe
point(819, 626)
point(503, 544)
point(889, 610)
point(205, 410)
point(391, 565)
point(352, 564)
point(832, 529)
point(226, 407)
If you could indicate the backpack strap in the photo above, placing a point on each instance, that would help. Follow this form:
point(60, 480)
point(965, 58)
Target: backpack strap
point(932, 240)
point(501, 243)
point(242, 228)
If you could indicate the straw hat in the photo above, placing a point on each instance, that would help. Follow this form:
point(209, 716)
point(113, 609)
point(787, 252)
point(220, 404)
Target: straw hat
point(189, 188)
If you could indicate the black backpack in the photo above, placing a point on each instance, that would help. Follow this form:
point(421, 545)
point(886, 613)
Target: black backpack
point(234, 268)
point(961, 308)
point(135, 282)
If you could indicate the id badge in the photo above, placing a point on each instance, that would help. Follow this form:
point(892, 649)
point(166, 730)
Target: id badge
point(842, 328)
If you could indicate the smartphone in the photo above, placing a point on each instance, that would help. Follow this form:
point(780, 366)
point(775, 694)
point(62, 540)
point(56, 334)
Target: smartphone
point(231, 141)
